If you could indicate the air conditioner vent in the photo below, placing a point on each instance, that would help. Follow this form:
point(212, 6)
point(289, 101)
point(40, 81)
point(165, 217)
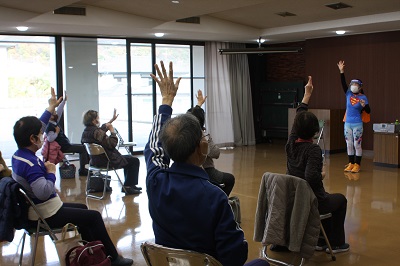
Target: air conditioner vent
point(286, 14)
point(338, 5)
point(193, 20)
point(70, 10)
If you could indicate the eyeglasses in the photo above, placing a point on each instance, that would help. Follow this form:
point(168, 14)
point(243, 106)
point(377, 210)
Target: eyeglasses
point(206, 137)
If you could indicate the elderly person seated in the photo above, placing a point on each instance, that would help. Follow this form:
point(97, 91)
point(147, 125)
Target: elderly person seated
point(38, 181)
point(188, 211)
point(94, 133)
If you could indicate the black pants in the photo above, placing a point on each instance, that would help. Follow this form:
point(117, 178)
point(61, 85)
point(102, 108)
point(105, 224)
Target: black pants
point(217, 177)
point(90, 224)
point(83, 155)
point(334, 226)
point(131, 171)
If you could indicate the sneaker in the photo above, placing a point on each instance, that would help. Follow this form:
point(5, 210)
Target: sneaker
point(321, 245)
point(356, 168)
point(131, 191)
point(136, 187)
point(349, 167)
point(121, 261)
point(343, 248)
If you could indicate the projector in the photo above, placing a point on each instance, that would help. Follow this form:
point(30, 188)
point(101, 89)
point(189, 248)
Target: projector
point(386, 127)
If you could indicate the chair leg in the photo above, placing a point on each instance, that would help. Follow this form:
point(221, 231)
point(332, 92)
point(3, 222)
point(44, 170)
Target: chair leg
point(274, 261)
point(119, 179)
point(21, 255)
point(327, 242)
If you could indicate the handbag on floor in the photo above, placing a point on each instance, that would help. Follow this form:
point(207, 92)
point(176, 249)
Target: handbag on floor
point(66, 243)
point(67, 170)
point(88, 254)
point(235, 205)
point(96, 183)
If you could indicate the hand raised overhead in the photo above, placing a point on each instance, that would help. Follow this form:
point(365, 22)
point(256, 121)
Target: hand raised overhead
point(166, 83)
point(309, 86)
point(341, 66)
point(200, 98)
point(53, 101)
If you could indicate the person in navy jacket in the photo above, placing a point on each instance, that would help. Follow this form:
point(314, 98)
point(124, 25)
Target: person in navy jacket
point(188, 211)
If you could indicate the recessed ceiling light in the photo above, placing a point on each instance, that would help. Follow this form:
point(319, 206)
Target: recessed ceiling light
point(340, 32)
point(175, 1)
point(70, 67)
point(22, 28)
point(159, 34)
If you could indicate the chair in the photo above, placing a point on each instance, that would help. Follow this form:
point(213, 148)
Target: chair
point(42, 229)
point(122, 143)
point(94, 149)
point(158, 255)
point(321, 136)
point(279, 196)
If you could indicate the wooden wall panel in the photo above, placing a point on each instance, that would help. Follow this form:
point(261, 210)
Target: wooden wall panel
point(373, 58)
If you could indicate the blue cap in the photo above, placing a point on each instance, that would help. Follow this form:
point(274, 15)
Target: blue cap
point(358, 81)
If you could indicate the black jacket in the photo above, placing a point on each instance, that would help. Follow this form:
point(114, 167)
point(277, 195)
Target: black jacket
point(13, 209)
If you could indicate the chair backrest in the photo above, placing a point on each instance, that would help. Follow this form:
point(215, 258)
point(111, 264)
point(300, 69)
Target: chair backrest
point(94, 149)
point(158, 255)
point(287, 213)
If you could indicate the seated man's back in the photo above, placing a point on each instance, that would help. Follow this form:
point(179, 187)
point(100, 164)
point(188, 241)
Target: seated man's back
point(188, 211)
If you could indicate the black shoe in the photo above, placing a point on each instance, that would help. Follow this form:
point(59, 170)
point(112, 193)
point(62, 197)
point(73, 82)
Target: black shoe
point(136, 187)
point(83, 172)
point(131, 191)
point(121, 261)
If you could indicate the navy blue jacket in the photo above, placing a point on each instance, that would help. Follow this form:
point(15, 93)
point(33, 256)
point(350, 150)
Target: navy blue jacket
point(188, 211)
point(13, 209)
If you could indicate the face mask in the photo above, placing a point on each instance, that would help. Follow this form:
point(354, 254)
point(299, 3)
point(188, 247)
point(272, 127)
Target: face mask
point(40, 144)
point(354, 89)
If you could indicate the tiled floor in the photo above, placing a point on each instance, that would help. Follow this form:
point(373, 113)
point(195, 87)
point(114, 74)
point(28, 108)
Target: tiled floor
point(372, 222)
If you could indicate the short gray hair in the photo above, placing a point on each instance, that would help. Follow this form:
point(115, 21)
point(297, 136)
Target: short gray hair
point(180, 136)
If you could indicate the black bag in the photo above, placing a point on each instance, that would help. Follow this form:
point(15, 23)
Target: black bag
point(96, 183)
point(67, 170)
point(235, 205)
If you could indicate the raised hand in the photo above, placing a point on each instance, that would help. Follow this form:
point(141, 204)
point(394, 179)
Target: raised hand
point(115, 116)
point(166, 83)
point(309, 86)
point(200, 98)
point(341, 66)
point(308, 90)
point(53, 101)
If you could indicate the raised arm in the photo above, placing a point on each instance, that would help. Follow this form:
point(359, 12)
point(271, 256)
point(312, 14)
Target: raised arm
point(200, 98)
point(154, 153)
point(115, 116)
point(53, 103)
point(341, 66)
point(304, 102)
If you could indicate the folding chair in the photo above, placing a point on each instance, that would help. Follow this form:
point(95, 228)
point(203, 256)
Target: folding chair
point(158, 255)
point(267, 214)
point(94, 149)
point(122, 143)
point(42, 229)
point(321, 136)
